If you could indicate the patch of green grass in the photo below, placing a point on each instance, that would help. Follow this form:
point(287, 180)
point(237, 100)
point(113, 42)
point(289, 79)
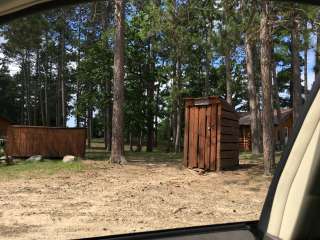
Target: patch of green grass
point(99, 153)
point(36, 169)
point(252, 157)
point(157, 155)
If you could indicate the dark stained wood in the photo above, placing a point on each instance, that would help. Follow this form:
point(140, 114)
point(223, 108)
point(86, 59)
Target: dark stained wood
point(219, 124)
point(230, 116)
point(202, 136)
point(186, 137)
point(229, 138)
point(26, 141)
point(229, 123)
point(191, 154)
point(213, 155)
point(192, 159)
point(229, 146)
point(226, 106)
point(229, 131)
point(229, 154)
point(208, 149)
point(4, 124)
point(196, 137)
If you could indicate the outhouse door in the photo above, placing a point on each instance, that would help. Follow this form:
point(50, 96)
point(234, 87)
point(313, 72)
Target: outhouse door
point(200, 146)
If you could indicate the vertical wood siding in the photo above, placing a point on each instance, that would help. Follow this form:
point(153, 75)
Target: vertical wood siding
point(26, 141)
point(211, 137)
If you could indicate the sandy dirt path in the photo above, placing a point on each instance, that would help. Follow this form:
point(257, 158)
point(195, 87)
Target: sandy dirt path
point(107, 199)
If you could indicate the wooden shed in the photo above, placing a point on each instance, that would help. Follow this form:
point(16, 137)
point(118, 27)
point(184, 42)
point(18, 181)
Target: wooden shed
point(211, 137)
point(4, 124)
point(26, 141)
point(281, 130)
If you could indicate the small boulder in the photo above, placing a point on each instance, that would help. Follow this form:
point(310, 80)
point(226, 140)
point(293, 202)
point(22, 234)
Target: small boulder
point(36, 158)
point(68, 158)
point(3, 158)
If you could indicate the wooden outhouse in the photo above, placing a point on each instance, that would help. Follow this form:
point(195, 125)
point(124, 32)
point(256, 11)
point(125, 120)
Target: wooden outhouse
point(211, 137)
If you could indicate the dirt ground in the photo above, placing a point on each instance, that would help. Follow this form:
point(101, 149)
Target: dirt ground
point(108, 199)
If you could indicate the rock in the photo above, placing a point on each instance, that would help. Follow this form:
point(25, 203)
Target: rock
point(68, 158)
point(3, 158)
point(35, 158)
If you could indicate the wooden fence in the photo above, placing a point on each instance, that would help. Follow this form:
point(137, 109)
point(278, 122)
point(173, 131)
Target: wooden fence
point(26, 141)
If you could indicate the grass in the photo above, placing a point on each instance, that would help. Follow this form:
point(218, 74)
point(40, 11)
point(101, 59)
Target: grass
point(36, 169)
point(98, 153)
point(254, 158)
point(156, 156)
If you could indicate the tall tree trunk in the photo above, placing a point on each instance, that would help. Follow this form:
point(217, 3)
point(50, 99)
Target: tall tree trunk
point(27, 85)
point(156, 116)
point(276, 99)
point(117, 151)
point(63, 98)
point(306, 91)
point(177, 143)
point(257, 70)
point(305, 69)
point(267, 119)
point(108, 116)
point(317, 53)
point(130, 142)
point(89, 126)
point(41, 98)
point(252, 90)
point(139, 143)
point(208, 61)
point(150, 97)
point(296, 81)
point(227, 60)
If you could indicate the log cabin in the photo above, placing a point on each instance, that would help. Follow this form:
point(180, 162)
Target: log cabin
point(282, 129)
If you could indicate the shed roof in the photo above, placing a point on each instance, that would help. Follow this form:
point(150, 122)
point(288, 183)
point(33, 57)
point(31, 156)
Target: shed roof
point(245, 120)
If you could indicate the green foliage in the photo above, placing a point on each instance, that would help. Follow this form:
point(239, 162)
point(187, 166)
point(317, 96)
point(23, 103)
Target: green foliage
point(174, 49)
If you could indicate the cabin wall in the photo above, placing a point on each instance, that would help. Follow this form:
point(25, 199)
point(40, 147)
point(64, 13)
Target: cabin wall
point(245, 138)
point(228, 137)
point(25, 141)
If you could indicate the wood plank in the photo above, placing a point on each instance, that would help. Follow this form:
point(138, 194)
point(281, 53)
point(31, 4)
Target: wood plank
point(202, 136)
point(196, 137)
point(208, 138)
point(227, 163)
point(191, 138)
point(229, 146)
point(186, 137)
point(219, 122)
point(193, 146)
point(226, 106)
point(229, 123)
point(228, 130)
point(213, 154)
point(230, 116)
point(229, 139)
point(229, 154)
